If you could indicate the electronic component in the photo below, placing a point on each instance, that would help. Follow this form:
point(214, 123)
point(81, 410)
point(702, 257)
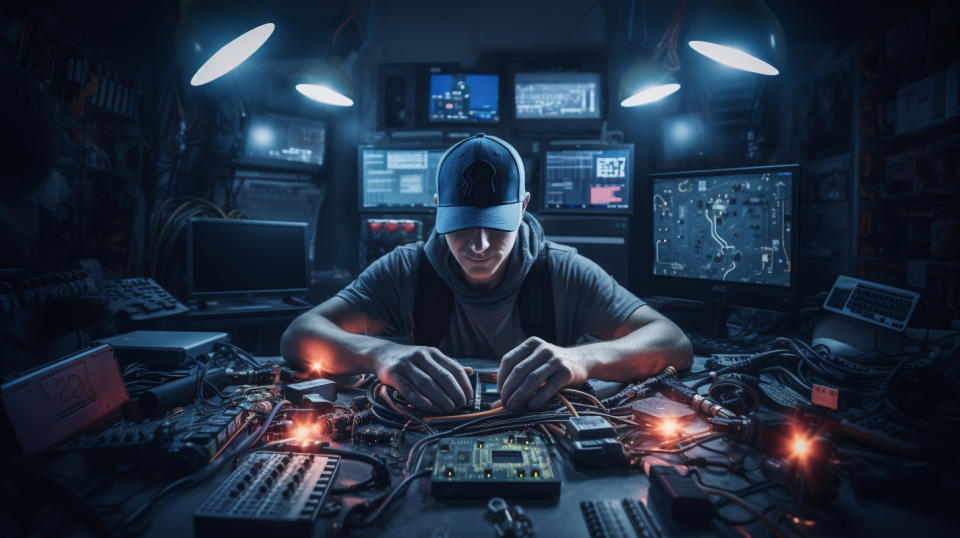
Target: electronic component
point(509, 521)
point(676, 390)
point(163, 349)
point(378, 237)
point(656, 408)
point(733, 361)
point(188, 439)
point(782, 397)
point(881, 305)
point(588, 179)
point(510, 465)
point(53, 402)
point(619, 519)
point(372, 434)
point(680, 496)
point(398, 178)
point(317, 403)
point(592, 442)
point(270, 493)
point(324, 388)
point(142, 299)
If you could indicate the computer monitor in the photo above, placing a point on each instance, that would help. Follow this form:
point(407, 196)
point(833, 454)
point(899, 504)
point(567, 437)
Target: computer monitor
point(588, 179)
point(464, 98)
point(398, 179)
point(557, 101)
point(726, 235)
point(228, 257)
point(276, 140)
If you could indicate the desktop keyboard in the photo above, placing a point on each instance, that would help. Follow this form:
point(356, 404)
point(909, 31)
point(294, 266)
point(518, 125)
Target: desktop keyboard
point(141, 299)
point(874, 303)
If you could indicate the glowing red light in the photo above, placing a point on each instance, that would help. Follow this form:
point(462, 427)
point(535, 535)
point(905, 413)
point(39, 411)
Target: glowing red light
point(669, 427)
point(800, 447)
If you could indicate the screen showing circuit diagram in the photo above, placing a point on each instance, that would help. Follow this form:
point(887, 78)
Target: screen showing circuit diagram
point(725, 227)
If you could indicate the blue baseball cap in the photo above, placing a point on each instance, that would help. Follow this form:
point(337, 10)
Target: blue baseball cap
point(480, 184)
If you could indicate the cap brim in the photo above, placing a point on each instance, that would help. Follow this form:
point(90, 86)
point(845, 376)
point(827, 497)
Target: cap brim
point(504, 217)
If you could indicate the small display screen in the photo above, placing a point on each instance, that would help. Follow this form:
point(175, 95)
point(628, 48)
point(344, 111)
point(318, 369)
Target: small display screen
point(286, 139)
point(507, 456)
point(236, 256)
point(556, 96)
point(589, 179)
point(398, 178)
point(464, 98)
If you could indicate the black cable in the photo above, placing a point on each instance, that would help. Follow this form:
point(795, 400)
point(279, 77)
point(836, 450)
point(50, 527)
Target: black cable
point(385, 503)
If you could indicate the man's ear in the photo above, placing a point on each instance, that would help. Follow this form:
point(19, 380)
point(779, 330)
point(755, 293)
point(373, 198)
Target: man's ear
point(436, 199)
point(526, 199)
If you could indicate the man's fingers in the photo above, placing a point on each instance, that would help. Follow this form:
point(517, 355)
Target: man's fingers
point(442, 379)
point(459, 373)
point(555, 382)
point(429, 388)
point(513, 357)
point(522, 380)
point(410, 392)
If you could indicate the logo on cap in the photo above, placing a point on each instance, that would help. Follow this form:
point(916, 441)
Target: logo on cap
point(481, 173)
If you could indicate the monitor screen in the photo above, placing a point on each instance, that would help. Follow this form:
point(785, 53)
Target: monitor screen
point(277, 139)
point(241, 257)
point(398, 178)
point(556, 96)
point(464, 98)
point(732, 226)
point(589, 179)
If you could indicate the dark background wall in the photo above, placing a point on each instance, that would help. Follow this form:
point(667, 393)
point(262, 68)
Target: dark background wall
point(844, 60)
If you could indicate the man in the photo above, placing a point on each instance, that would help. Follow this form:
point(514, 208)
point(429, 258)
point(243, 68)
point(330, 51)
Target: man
point(484, 249)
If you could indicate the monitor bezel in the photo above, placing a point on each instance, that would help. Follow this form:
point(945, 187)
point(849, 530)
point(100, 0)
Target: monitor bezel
point(565, 125)
point(390, 208)
point(423, 99)
point(246, 161)
point(631, 175)
point(192, 293)
point(737, 293)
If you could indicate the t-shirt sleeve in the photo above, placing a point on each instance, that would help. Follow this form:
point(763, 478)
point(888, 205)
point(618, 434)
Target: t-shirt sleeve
point(385, 292)
point(588, 299)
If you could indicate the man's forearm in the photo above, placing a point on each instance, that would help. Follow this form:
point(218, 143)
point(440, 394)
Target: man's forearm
point(313, 342)
point(643, 352)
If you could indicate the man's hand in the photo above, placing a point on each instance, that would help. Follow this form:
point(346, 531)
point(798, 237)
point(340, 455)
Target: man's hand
point(531, 373)
point(426, 377)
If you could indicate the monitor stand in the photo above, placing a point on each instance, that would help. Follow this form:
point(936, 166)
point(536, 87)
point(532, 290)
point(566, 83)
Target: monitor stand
point(715, 312)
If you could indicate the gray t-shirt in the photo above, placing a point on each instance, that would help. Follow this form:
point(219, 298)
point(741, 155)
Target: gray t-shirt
point(587, 299)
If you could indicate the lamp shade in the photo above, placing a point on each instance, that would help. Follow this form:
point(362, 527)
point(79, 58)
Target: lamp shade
point(215, 36)
point(326, 83)
point(646, 82)
point(743, 34)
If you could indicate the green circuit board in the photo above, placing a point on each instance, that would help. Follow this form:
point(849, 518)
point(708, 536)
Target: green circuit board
point(513, 465)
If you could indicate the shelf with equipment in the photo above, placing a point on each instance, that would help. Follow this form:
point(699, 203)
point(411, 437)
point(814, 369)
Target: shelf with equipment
point(908, 186)
point(101, 155)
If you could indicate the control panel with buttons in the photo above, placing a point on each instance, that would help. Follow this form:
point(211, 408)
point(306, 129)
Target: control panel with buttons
point(270, 494)
point(142, 299)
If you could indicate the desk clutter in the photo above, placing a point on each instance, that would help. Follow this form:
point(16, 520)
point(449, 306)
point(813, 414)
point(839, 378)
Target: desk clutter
point(766, 443)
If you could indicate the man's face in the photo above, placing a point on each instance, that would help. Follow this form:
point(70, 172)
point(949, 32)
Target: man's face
point(482, 253)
